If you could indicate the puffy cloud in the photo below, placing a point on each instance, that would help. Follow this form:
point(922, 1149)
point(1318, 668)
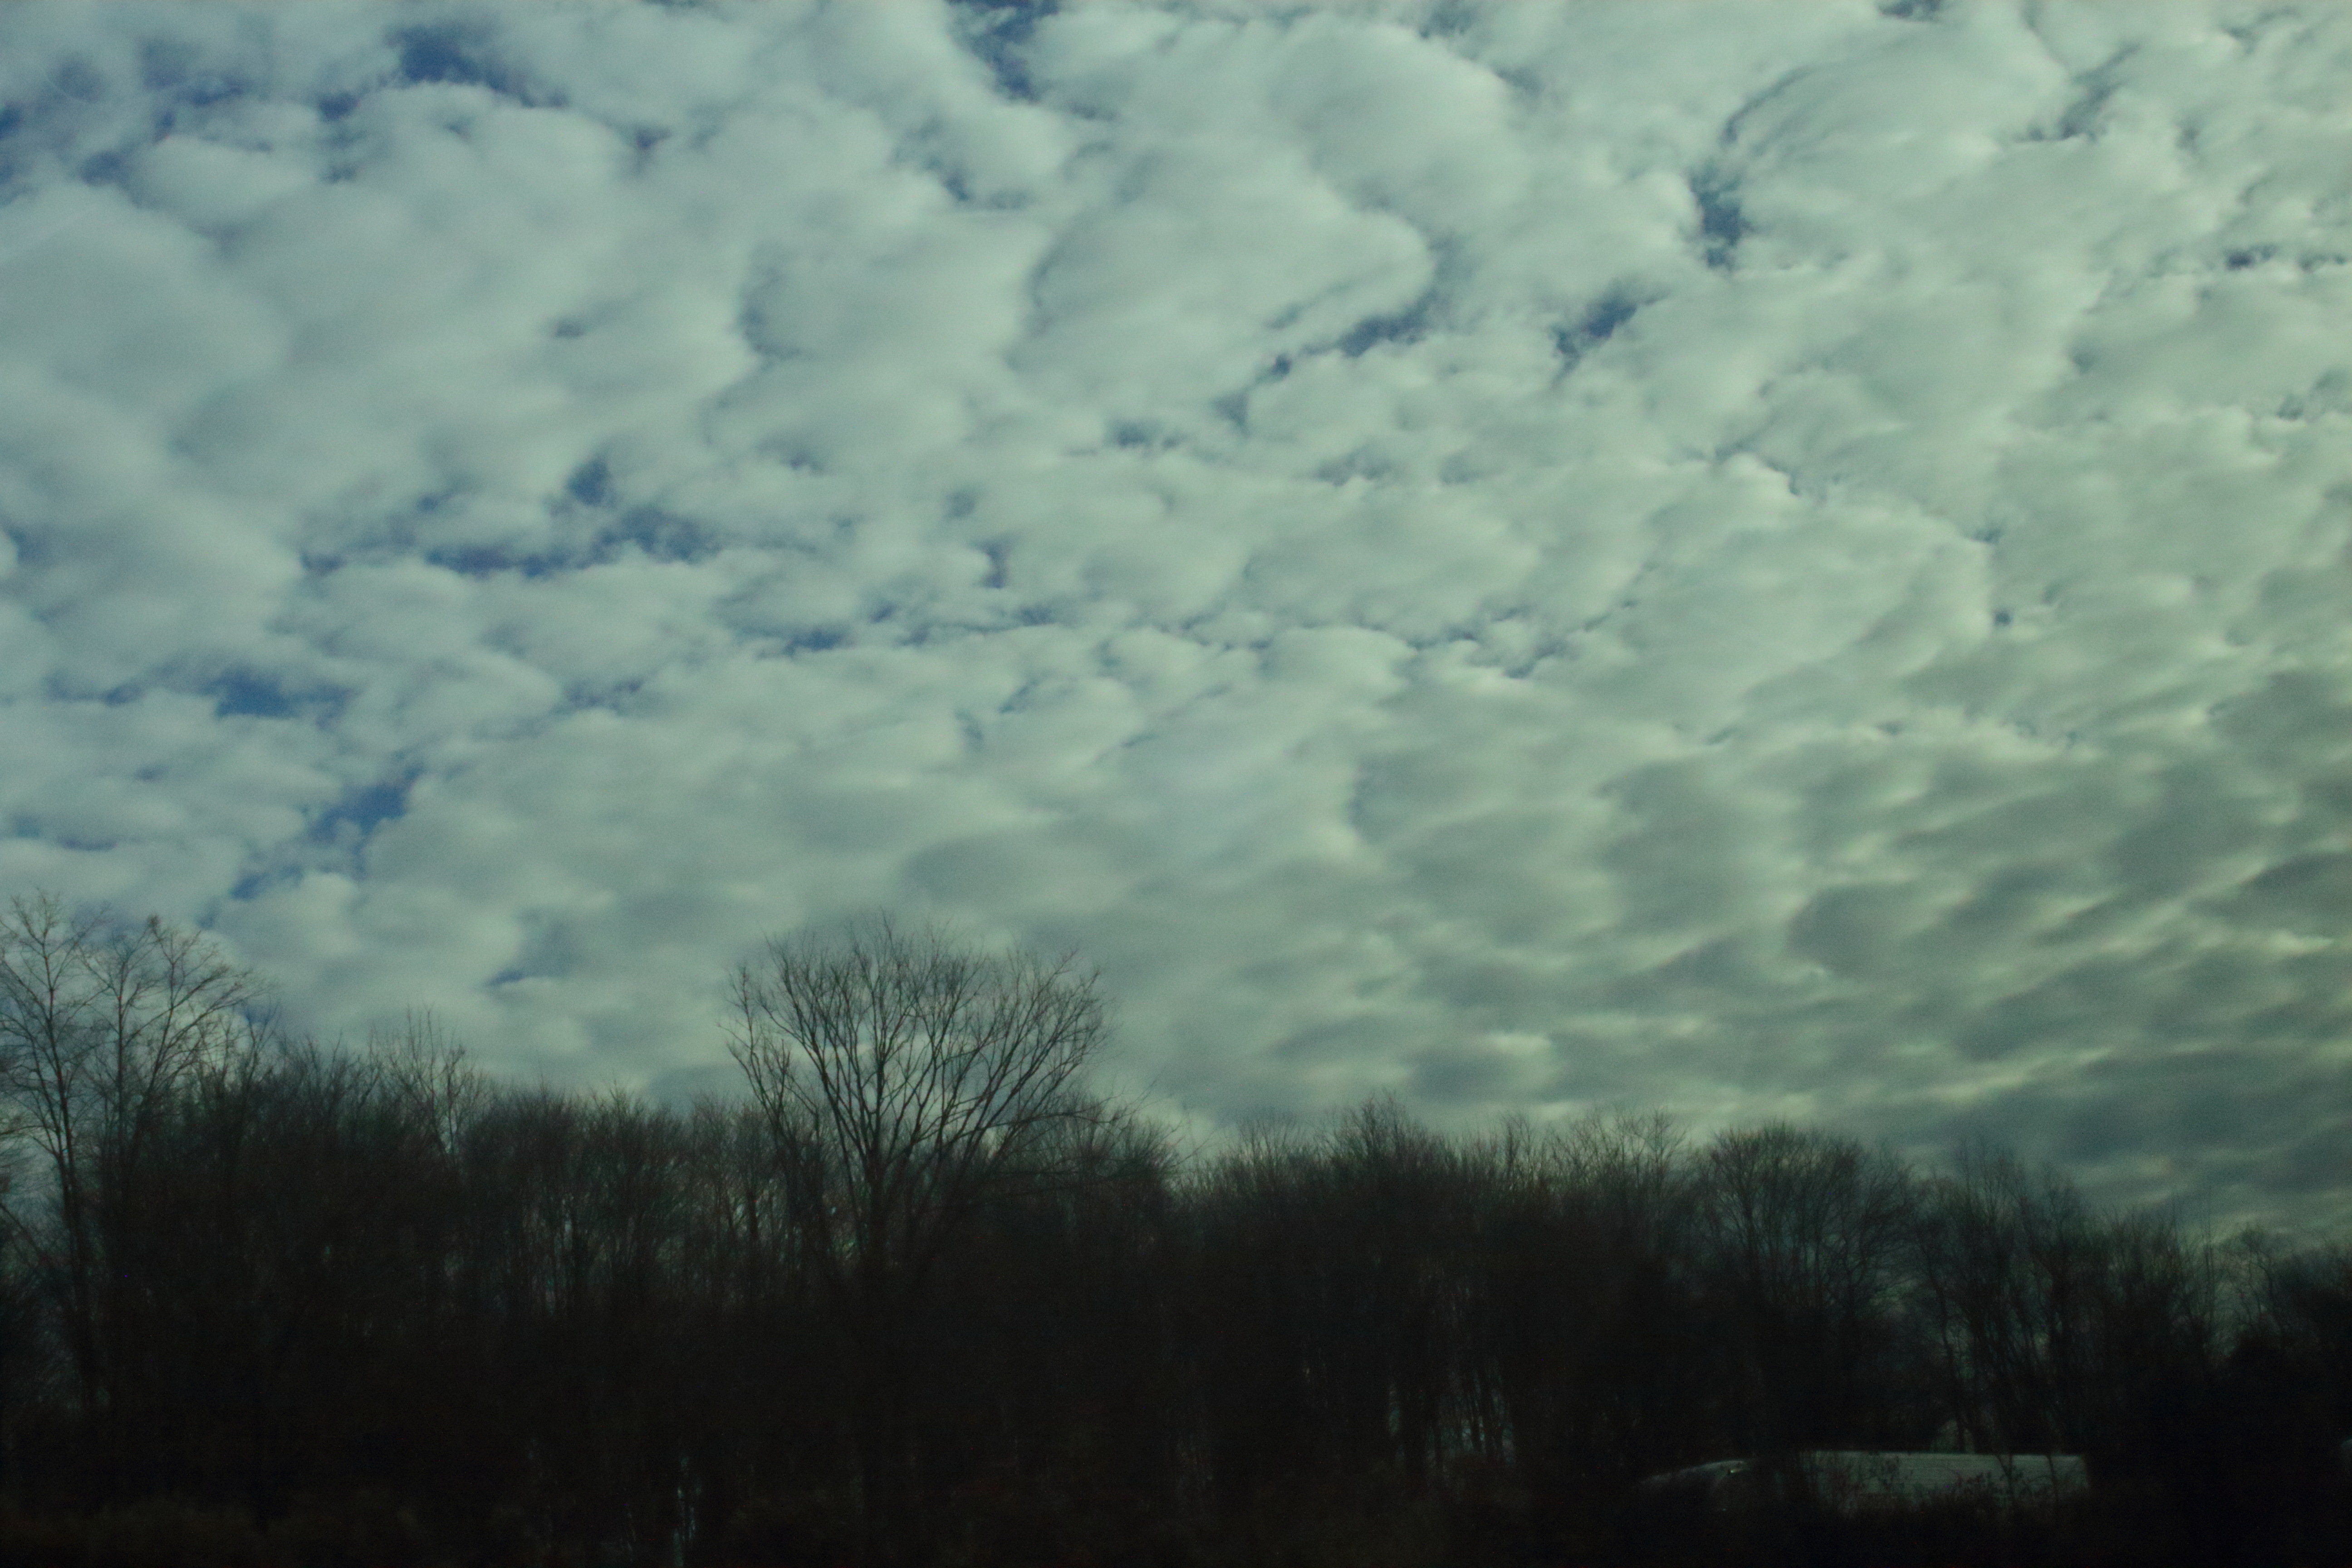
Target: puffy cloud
point(1538, 556)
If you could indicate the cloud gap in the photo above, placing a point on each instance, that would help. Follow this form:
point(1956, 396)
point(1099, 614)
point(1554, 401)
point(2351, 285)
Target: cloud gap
point(1600, 321)
point(457, 53)
point(259, 694)
point(996, 32)
point(1721, 223)
point(361, 809)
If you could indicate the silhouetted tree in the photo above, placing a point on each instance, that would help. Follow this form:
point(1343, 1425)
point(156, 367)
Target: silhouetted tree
point(1057, 1410)
point(907, 1082)
point(2007, 1265)
point(271, 1302)
point(101, 1024)
point(1587, 1326)
point(1805, 1235)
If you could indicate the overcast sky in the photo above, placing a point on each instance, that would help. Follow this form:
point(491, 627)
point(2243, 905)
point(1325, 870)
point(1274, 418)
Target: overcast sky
point(1782, 559)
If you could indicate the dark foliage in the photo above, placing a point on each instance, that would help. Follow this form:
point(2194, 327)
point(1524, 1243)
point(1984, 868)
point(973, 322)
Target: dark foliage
point(272, 1306)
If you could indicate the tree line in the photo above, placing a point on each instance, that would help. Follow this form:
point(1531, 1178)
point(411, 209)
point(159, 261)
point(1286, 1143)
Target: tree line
point(921, 1299)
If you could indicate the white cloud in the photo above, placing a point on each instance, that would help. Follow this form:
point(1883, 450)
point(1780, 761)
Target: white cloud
point(1537, 556)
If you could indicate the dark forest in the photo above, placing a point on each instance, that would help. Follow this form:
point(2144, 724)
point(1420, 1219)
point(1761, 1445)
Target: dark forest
point(921, 1299)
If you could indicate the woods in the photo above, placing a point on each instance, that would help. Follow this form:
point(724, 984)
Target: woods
point(920, 1298)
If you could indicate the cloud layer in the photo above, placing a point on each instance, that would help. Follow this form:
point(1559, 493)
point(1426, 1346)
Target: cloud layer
point(1536, 555)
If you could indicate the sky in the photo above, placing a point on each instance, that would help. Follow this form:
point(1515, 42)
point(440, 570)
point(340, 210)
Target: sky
point(1760, 558)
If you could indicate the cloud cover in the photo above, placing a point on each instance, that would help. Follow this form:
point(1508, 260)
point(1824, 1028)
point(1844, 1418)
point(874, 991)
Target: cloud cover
point(1750, 559)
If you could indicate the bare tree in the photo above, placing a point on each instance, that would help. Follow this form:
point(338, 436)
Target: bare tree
point(907, 1082)
point(1586, 1327)
point(424, 1067)
point(1806, 1230)
point(2007, 1261)
point(101, 1024)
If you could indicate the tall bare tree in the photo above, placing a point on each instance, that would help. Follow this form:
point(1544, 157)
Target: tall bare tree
point(2007, 1263)
point(1587, 1328)
point(101, 1024)
point(908, 1081)
point(1806, 1232)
